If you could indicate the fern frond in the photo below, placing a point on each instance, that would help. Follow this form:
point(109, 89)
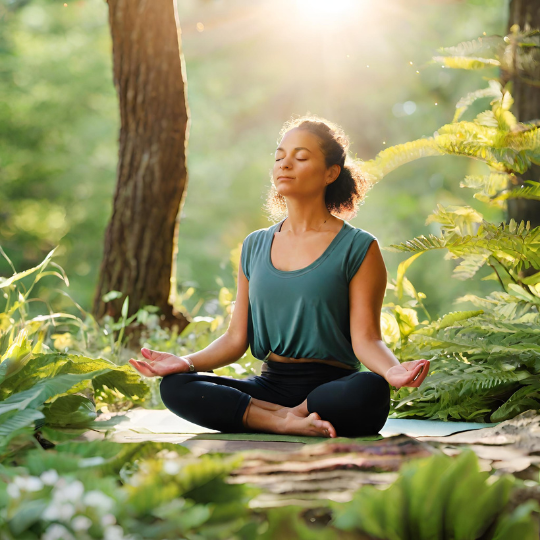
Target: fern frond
point(447, 320)
point(488, 185)
point(527, 397)
point(489, 46)
point(469, 266)
point(531, 192)
point(456, 220)
point(486, 118)
point(494, 90)
point(466, 62)
point(395, 156)
point(518, 246)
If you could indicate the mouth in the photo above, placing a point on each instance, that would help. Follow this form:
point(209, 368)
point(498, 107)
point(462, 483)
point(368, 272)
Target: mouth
point(285, 177)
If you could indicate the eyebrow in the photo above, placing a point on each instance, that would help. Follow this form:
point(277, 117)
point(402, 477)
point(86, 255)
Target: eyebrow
point(297, 148)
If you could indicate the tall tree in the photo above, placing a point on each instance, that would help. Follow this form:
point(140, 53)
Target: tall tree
point(525, 77)
point(140, 247)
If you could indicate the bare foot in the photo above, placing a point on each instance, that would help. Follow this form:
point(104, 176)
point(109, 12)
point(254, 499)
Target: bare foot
point(300, 410)
point(310, 425)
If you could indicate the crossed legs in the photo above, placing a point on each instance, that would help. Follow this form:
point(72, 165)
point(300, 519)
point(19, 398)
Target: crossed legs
point(351, 406)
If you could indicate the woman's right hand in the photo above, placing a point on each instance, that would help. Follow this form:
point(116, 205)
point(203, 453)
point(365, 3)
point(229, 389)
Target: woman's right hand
point(159, 364)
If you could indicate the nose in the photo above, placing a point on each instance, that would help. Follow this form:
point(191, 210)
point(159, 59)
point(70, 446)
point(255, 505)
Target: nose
point(284, 164)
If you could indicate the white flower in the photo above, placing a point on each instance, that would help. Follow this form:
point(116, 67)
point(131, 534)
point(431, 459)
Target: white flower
point(81, 523)
point(91, 461)
point(57, 532)
point(70, 493)
point(13, 490)
point(50, 513)
point(114, 532)
point(108, 519)
point(49, 477)
point(28, 483)
point(99, 500)
point(63, 512)
point(171, 467)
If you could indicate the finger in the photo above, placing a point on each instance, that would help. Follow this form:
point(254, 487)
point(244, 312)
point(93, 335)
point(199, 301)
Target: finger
point(144, 368)
point(140, 369)
point(419, 376)
point(149, 353)
point(148, 365)
point(413, 364)
point(424, 373)
point(411, 375)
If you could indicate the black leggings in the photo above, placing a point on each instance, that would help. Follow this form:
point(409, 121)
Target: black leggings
point(355, 403)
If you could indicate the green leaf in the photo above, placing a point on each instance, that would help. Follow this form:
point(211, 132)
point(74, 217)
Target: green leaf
point(12, 421)
point(111, 295)
point(6, 282)
point(28, 513)
point(519, 524)
point(37, 395)
point(71, 410)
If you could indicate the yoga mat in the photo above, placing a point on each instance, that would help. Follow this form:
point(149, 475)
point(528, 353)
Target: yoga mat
point(428, 428)
point(274, 437)
point(164, 421)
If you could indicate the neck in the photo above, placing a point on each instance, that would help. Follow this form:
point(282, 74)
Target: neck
point(307, 219)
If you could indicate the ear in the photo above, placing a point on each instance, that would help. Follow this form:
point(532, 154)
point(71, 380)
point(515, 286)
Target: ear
point(333, 172)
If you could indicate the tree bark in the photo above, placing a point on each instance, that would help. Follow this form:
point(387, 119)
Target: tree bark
point(140, 247)
point(526, 14)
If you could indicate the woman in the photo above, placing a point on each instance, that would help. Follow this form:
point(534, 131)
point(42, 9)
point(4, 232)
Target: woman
point(310, 292)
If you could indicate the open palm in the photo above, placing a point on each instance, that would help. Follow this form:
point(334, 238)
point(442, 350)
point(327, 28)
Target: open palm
point(405, 373)
point(159, 363)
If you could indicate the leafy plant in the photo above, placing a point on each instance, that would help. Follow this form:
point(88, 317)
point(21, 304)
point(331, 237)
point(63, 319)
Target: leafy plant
point(165, 492)
point(484, 362)
point(439, 497)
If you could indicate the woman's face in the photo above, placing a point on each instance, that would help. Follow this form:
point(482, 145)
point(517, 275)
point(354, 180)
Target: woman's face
point(299, 166)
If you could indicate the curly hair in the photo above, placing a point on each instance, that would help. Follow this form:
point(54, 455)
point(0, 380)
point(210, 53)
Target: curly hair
point(344, 195)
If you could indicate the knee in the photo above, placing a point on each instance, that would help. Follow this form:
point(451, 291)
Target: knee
point(378, 389)
point(371, 395)
point(170, 388)
point(377, 386)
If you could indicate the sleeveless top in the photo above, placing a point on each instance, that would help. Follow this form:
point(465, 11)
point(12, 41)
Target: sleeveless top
point(303, 313)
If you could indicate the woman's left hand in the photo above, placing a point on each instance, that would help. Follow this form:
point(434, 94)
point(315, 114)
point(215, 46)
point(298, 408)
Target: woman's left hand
point(405, 373)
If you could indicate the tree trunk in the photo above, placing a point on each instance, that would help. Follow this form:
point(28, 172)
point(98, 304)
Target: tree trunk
point(526, 14)
point(140, 246)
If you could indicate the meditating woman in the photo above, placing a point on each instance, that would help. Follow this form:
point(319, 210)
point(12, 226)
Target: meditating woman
point(310, 292)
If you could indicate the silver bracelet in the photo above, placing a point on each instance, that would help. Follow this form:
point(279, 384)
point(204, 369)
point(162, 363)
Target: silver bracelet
point(191, 366)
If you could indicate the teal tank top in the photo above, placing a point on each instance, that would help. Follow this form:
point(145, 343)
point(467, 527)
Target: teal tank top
point(303, 313)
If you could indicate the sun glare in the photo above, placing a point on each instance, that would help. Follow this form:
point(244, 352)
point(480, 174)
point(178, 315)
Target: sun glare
point(322, 10)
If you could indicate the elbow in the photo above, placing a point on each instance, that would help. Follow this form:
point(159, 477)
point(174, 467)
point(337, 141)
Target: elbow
point(362, 345)
point(239, 343)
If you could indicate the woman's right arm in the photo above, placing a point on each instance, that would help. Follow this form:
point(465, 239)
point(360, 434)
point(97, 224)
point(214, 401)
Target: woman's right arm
point(224, 350)
point(232, 345)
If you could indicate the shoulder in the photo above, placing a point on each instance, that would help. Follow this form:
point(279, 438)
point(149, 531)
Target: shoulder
point(359, 243)
point(360, 237)
point(256, 236)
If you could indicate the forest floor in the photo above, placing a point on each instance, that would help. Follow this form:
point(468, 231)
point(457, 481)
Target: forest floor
point(305, 470)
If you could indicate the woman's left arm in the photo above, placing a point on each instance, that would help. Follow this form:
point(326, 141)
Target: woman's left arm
point(366, 295)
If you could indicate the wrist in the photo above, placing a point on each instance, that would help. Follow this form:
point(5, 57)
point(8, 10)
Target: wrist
point(189, 364)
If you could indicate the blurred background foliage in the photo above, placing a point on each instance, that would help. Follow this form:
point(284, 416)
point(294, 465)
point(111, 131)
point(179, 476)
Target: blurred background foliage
point(250, 65)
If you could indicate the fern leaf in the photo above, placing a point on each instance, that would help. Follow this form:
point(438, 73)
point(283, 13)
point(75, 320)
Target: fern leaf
point(395, 156)
point(494, 90)
point(467, 62)
point(489, 47)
